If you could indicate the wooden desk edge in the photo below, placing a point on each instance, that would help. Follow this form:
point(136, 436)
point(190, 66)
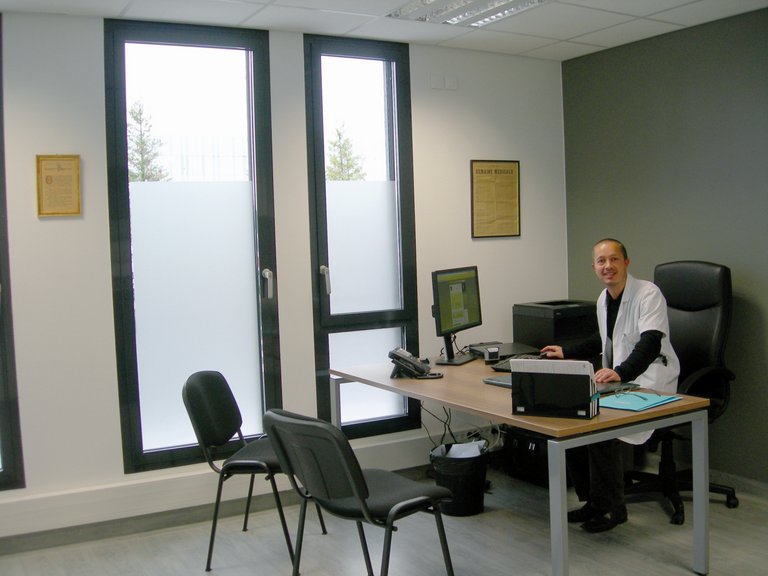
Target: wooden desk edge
point(485, 401)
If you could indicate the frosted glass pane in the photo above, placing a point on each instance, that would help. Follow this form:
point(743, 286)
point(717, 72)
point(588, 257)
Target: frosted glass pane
point(363, 247)
point(195, 299)
point(360, 402)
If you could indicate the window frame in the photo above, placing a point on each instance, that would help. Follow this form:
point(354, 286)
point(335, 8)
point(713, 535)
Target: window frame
point(12, 472)
point(116, 34)
point(316, 46)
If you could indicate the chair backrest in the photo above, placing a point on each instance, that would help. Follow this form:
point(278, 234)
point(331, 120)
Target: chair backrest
point(699, 302)
point(212, 409)
point(317, 454)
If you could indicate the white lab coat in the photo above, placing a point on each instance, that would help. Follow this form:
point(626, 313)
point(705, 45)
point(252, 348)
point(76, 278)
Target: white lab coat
point(642, 308)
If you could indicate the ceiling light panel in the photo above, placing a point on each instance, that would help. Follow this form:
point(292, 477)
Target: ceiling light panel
point(475, 13)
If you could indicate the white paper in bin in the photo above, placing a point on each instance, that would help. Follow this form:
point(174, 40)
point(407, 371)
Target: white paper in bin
point(462, 450)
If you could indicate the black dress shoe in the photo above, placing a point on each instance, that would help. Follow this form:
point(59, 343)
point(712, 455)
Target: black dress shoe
point(606, 521)
point(583, 514)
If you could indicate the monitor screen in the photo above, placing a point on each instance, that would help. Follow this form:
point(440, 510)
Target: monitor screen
point(456, 294)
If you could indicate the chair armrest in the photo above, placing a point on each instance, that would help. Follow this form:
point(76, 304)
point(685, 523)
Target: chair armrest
point(711, 382)
point(719, 373)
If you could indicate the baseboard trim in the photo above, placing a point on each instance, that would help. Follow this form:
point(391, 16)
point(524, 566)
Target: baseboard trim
point(156, 521)
point(136, 524)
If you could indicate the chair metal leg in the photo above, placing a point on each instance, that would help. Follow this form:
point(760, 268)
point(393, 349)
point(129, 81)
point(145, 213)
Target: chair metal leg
point(222, 477)
point(386, 550)
point(248, 504)
point(281, 514)
point(364, 544)
point(443, 540)
point(320, 518)
point(299, 537)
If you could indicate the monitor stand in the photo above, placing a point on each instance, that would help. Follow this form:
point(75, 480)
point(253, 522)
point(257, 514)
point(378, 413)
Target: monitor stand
point(451, 359)
point(456, 360)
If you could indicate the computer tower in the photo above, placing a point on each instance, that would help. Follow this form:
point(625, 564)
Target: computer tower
point(554, 322)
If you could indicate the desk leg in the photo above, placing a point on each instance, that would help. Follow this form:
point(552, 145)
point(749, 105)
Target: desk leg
point(700, 457)
point(558, 513)
point(335, 393)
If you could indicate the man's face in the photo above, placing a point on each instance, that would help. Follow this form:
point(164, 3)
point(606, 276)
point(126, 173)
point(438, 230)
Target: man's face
point(610, 266)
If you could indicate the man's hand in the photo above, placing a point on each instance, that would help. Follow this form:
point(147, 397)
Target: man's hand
point(607, 375)
point(553, 352)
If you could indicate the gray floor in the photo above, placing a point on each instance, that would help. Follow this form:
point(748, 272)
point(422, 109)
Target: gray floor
point(510, 537)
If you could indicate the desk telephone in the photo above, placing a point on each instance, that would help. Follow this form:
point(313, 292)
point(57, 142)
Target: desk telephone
point(406, 364)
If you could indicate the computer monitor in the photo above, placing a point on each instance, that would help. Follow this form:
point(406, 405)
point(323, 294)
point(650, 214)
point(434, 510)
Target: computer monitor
point(456, 307)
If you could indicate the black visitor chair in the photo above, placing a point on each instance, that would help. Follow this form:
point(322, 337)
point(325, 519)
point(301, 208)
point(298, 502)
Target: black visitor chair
point(216, 419)
point(321, 465)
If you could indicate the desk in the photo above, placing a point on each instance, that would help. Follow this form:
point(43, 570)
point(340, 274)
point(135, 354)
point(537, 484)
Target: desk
point(462, 388)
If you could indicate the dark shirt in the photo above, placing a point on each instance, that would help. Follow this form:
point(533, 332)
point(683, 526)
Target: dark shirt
point(643, 354)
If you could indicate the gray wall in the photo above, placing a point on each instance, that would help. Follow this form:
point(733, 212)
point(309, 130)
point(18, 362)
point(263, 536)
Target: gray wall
point(666, 148)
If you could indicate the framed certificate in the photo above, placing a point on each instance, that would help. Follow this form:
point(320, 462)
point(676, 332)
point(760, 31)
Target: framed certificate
point(58, 185)
point(495, 198)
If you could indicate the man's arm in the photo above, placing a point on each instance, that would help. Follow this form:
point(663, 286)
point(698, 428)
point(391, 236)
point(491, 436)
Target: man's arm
point(585, 349)
point(643, 354)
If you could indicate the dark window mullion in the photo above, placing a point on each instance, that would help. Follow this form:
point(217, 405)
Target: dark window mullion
point(399, 168)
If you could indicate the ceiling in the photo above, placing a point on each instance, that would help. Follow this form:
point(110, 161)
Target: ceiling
point(555, 30)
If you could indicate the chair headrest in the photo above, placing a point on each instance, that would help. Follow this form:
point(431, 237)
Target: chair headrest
point(694, 285)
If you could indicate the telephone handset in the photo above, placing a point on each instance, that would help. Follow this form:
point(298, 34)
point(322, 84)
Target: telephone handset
point(406, 364)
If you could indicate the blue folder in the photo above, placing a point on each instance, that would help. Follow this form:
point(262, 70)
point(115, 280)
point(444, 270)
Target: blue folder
point(635, 401)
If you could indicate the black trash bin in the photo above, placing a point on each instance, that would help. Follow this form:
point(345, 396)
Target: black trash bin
point(464, 477)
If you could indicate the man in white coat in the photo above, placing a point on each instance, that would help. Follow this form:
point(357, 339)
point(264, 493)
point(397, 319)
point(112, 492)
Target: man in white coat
point(633, 340)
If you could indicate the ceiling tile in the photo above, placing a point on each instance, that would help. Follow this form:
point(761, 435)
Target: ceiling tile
point(303, 20)
point(195, 11)
point(108, 8)
point(632, 7)
point(503, 42)
point(408, 31)
point(563, 51)
point(707, 10)
point(628, 32)
point(559, 21)
point(370, 7)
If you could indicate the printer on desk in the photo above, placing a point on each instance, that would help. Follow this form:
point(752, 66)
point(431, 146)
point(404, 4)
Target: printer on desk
point(553, 322)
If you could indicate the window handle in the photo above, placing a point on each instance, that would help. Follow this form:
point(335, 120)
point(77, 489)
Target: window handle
point(326, 272)
point(270, 281)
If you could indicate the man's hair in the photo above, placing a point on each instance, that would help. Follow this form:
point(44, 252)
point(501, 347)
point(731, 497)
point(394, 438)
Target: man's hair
point(620, 245)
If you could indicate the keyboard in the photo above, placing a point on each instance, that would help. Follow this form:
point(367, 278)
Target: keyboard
point(503, 365)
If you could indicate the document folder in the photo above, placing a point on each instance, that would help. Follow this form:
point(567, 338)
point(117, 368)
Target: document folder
point(637, 401)
point(562, 388)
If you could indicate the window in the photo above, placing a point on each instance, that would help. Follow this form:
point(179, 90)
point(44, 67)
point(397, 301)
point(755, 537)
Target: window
point(11, 463)
point(363, 252)
point(191, 219)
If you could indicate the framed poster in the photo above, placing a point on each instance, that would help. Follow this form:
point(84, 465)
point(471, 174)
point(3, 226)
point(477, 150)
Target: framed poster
point(495, 198)
point(58, 185)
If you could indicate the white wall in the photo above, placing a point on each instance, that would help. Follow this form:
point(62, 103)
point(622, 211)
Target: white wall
point(503, 108)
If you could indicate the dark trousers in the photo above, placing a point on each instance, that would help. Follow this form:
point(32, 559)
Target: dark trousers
point(597, 473)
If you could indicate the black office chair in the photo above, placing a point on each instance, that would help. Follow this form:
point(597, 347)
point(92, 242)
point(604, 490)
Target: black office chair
point(699, 303)
point(216, 420)
point(321, 465)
